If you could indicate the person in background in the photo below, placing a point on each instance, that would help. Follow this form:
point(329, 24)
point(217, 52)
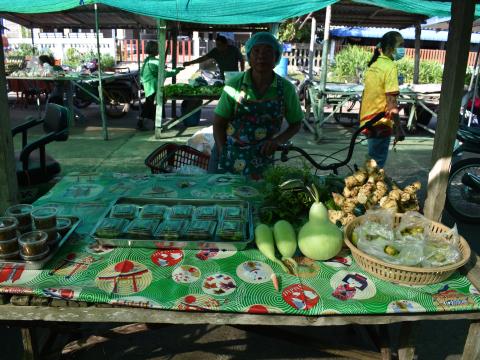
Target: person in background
point(225, 55)
point(149, 79)
point(56, 95)
point(249, 115)
point(380, 95)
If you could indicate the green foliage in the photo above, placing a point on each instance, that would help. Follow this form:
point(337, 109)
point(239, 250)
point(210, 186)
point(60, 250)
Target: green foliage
point(73, 57)
point(430, 71)
point(350, 63)
point(289, 32)
point(23, 50)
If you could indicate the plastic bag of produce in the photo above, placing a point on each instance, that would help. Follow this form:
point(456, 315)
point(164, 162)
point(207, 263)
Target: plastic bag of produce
point(442, 249)
point(413, 224)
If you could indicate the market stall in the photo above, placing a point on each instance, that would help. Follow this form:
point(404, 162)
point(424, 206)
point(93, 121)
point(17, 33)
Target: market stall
point(340, 96)
point(229, 277)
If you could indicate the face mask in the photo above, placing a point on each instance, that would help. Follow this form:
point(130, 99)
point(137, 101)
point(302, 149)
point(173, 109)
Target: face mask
point(399, 53)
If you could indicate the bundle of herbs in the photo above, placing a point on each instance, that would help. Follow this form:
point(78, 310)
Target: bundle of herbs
point(286, 196)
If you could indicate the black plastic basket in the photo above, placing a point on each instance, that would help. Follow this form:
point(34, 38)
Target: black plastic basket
point(170, 157)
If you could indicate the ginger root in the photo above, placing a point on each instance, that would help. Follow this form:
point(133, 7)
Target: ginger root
point(338, 199)
point(335, 215)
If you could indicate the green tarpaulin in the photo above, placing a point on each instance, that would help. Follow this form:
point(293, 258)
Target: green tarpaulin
point(225, 12)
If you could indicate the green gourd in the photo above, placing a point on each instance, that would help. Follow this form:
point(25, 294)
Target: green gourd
point(266, 245)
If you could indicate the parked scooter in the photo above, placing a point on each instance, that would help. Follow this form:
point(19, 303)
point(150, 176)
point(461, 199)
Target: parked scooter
point(463, 191)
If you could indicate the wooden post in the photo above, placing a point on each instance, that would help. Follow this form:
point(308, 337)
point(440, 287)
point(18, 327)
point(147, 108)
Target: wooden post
point(162, 31)
point(323, 76)
point(8, 174)
point(453, 79)
point(416, 64)
point(472, 345)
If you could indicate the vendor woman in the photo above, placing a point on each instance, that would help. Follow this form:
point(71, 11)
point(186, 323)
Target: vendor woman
point(249, 115)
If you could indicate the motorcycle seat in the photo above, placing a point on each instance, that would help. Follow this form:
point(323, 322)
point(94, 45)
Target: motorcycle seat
point(469, 135)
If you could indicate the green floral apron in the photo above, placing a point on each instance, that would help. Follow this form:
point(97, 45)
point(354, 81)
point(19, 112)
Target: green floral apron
point(254, 122)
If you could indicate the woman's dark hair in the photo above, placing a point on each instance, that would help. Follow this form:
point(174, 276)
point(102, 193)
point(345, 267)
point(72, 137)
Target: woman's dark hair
point(46, 59)
point(151, 48)
point(222, 39)
point(388, 41)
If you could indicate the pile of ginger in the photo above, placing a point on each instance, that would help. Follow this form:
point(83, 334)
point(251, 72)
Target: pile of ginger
point(367, 188)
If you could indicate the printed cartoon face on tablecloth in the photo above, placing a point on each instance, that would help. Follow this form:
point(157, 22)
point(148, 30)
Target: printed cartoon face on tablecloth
point(353, 285)
point(219, 285)
point(83, 191)
point(167, 257)
point(262, 309)
point(447, 299)
point(342, 260)
point(124, 278)
point(16, 274)
point(67, 293)
point(404, 306)
point(72, 264)
point(210, 252)
point(186, 274)
point(254, 272)
point(300, 297)
point(307, 268)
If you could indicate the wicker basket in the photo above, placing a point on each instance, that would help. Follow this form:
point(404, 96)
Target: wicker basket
point(409, 275)
point(170, 157)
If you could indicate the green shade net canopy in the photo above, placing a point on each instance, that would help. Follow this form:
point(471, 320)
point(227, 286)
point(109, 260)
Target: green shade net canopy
point(225, 12)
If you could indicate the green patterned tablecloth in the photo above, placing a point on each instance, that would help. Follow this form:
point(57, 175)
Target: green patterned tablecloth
point(231, 281)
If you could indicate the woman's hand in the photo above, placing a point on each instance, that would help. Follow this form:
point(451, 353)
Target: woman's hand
point(269, 147)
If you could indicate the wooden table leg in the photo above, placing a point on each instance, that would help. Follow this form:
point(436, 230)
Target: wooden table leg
point(472, 344)
point(406, 345)
point(29, 344)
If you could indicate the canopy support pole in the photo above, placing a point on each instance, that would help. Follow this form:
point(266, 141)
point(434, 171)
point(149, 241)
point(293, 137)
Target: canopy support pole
point(323, 75)
point(33, 40)
point(458, 45)
point(8, 174)
point(174, 65)
point(475, 92)
point(274, 27)
point(100, 85)
point(311, 48)
point(162, 31)
point(416, 64)
point(139, 65)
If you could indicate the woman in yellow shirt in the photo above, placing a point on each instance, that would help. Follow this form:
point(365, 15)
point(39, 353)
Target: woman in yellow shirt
point(380, 95)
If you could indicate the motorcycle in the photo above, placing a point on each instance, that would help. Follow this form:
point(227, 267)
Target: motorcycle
point(118, 94)
point(463, 190)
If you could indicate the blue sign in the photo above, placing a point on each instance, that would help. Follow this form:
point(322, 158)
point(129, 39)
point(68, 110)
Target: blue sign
point(287, 47)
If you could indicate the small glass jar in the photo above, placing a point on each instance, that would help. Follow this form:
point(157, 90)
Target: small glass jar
point(44, 218)
point(11, 256)
point(8, 228)
point(33, 243)
point(63, 225)
point(9, 246)
point(35, 257)
point(22, 213)
point(52, 236)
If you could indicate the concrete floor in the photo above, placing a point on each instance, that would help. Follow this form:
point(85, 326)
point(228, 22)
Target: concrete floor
point(125, 151)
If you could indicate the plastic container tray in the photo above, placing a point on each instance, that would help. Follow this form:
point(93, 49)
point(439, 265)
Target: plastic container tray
point(39, 264)
point(168, 241)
